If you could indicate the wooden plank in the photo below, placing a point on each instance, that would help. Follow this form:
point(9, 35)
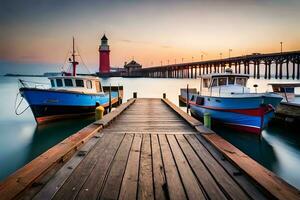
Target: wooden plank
point(24, 177)
point(145, 187)
point(95, 181)
point(102, 153)
point(175, 187)
point(130, 179)
point(58, 179)
point(228, 185)
point(192, 121)
point(191, 185)
point(158, 170)
point(241, 178)
point(114, 179)
point(112, 115)
point(268, 180)
point(205, 178)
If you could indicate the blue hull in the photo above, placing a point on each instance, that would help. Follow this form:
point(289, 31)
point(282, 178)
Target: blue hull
point(49, 105)
point(248, 113)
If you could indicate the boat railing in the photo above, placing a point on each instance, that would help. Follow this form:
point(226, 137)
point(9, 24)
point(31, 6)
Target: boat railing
point(32, 84)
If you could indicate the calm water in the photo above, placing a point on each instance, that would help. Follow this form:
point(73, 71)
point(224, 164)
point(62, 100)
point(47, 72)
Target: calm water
point(21, 140)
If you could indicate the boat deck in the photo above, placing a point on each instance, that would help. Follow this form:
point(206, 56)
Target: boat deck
point(152, 150)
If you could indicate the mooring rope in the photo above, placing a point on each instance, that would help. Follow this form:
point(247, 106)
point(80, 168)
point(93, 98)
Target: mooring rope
point(17, 107)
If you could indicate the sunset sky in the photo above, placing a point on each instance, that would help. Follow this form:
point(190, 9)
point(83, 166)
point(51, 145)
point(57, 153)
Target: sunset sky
point(37, 33)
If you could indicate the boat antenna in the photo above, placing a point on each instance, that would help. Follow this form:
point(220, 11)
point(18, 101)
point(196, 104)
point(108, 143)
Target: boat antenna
point(73, 61)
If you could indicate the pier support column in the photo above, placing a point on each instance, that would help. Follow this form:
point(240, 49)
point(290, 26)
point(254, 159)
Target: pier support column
point(280, 70)
point(298, 69)
point(287, 69)
point(269, 72)
point(239, 67)
point(266, 69)
point(254, 70)
point(258, 70)
point(293, 75)
point(276, 69)
point(200, 69)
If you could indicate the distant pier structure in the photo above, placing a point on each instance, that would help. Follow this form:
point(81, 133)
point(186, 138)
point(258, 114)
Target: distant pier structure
point(104, 63)
point(279, 65)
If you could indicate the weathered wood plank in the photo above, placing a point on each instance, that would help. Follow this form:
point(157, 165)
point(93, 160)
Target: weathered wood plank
point(191, 185)
point(112, 115)
point(130, 179)
point(175, 187)
point(24, 177)
point(192, 121)
point(248, 186)
point(145, 186)
point(55, 183)
point(228, 185)
point(159, 178)
point(205, 178)
point(267, 179)
point(102, 153)
point(114, 179)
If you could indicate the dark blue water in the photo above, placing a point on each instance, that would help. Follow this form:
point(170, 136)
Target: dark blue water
point(278, 149)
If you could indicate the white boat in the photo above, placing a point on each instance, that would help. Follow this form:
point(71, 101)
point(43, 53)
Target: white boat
point(228, 100)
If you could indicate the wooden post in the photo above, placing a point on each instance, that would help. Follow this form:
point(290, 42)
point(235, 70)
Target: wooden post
point(109, 109)
point(119, 100)
point(187, 98)
point(135, 95)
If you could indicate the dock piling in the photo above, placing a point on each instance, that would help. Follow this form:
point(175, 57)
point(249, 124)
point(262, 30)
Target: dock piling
point(135, 95)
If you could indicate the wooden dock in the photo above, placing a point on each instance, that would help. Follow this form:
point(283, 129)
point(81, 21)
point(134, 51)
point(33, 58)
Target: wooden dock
point(145, 149)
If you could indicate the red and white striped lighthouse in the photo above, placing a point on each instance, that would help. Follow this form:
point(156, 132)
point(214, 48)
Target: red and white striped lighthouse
point(104, 65)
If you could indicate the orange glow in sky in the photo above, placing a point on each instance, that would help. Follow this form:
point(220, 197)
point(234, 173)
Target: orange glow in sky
point(150, 32)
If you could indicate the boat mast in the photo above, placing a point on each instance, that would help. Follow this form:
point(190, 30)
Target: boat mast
point(74, 62)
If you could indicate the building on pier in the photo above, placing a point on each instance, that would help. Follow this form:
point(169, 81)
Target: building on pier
point(131, 66)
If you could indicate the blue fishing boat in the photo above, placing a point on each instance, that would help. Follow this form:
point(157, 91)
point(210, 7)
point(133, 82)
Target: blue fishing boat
point(228, 100)
point(69, 95)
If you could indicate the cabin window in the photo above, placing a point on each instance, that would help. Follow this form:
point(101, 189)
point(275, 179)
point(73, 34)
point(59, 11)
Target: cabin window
point(68, 82)
point(52, 83)
point(214, 82)
point(205, 83)
point(231, 80)
point(89, 84)
point(97, 86)
point(241, 81)
point(59, 83)
point(79, 83)
point(222, 81)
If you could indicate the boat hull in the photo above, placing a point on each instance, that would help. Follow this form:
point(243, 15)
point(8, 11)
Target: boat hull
point(248, 120)
point(50, 105)
point(249, 113)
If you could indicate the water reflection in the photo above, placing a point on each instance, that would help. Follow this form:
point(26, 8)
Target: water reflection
point(278, 148)
point(30, 141)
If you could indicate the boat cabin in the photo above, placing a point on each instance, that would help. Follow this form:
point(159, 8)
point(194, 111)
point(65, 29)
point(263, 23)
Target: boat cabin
point(224, 83)
point(84, 84)
point(286, 90)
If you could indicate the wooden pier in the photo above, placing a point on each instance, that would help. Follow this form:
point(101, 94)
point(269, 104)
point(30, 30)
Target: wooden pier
point(145, 149)
point(257, 65)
